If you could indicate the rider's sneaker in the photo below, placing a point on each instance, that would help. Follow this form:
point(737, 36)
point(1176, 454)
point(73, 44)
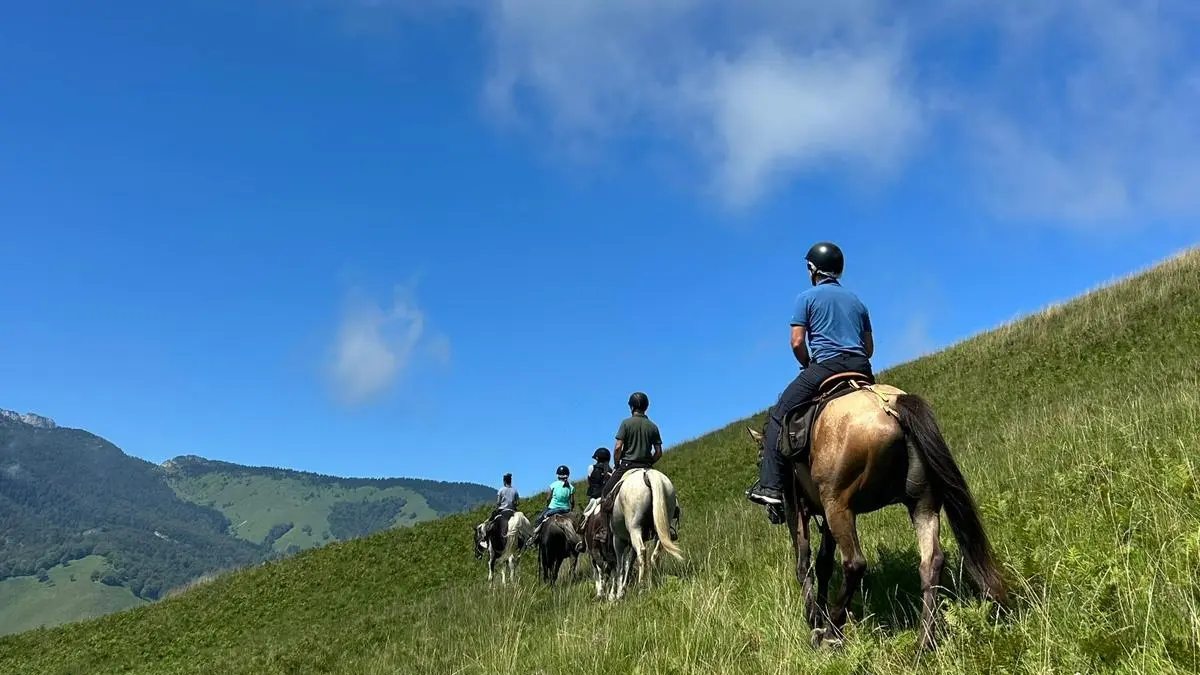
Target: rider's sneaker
point(765, 496)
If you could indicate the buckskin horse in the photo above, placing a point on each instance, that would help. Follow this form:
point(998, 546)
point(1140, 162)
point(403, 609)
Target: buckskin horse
point(858, 447)
point(505, 540)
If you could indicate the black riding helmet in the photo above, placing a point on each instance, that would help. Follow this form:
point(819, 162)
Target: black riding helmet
point(601, 455)
point(563, 471)
point(639, 401)
point(826, 258)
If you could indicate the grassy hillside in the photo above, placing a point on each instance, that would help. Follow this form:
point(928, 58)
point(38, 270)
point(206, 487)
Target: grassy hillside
point(66, 592)
point(299, 510)
point(1077, 430)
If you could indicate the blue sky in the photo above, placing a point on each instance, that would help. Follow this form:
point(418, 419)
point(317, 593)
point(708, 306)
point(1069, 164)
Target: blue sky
point(447, 239)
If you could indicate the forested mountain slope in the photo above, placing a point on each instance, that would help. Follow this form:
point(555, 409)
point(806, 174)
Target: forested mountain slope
point(67, 495)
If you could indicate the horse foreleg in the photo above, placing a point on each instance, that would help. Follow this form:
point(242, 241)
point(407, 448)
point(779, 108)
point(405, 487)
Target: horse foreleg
point(824, 570)
point(927, 523)
point(798, 522)
point(598, 577)
point(841, 522)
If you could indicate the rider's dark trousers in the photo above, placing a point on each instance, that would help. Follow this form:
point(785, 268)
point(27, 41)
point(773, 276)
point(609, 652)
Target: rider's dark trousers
point(497, 512)
point(546, 514)
point(620, 471)
point(801, 390)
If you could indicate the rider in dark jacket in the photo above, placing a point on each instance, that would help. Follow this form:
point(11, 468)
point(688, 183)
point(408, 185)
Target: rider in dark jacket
point(598, 473)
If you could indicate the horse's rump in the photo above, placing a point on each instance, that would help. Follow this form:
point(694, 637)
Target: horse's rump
point(799, 427)
point(844, 394)
point(657, 502)
point(501, 526)
point(562, 524)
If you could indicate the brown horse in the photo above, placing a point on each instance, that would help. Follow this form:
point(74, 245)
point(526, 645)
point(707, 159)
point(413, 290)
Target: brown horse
point(873, 445)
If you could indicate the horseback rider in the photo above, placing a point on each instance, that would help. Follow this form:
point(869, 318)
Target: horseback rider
point(837, 328)
point(638, 446)
point(597, 475)
point(506, 503)
point(562, 500)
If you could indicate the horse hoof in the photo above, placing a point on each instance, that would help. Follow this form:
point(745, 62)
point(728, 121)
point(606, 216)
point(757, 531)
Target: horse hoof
point(818, 636)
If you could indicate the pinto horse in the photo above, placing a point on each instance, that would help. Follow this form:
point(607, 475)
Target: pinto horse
point(874, 445)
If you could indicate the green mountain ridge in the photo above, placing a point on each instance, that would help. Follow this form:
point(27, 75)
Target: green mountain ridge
point(1075, 428)
point(296, 510)
point(69, 495)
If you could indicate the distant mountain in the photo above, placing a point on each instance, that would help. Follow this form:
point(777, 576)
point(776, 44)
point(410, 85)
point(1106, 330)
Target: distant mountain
point(67, 496)
point(29, 418)
point(293, 510)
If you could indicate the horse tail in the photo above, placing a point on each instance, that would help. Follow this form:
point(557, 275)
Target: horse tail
point(917, 418)
point(518, 533)
point(662, 524)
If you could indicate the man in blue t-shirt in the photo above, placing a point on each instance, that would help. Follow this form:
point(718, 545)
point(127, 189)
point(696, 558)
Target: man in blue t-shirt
point(837, 329)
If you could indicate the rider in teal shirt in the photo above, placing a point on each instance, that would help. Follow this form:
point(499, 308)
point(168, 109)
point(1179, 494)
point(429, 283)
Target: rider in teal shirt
point(562, 499)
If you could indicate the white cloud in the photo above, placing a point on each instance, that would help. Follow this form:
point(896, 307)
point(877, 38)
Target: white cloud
point(374, 346)
point(767, 122)
point(1074, 111)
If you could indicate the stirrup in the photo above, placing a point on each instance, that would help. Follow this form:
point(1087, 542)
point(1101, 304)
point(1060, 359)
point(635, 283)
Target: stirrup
point(775, 514)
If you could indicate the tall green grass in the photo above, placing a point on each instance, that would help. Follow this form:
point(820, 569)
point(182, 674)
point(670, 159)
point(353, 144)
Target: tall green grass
point(1077, 430)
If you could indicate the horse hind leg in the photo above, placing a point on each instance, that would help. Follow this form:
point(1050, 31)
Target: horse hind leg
point(926, 520)
point(653, 548)
point(841, 521)
point(625, 561)
point(639, 553)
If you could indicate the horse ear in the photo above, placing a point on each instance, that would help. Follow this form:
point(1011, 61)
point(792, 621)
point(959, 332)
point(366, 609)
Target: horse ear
point(755, 435)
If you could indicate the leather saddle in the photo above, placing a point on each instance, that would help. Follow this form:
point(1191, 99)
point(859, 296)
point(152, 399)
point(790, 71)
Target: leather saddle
point(798, 424)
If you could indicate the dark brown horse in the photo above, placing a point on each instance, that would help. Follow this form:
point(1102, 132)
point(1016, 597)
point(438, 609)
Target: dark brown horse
point(559, 539)
point(873, 447)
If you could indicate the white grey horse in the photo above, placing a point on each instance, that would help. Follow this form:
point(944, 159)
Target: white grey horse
point(505, 547)
point(643, 511)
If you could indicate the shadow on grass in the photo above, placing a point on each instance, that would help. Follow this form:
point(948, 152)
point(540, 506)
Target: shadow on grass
point(892, 588)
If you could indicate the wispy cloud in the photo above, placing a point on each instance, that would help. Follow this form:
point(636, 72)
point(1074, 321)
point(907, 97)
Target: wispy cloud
point(915, 341)
point(376, 345)
point(1063, 110)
